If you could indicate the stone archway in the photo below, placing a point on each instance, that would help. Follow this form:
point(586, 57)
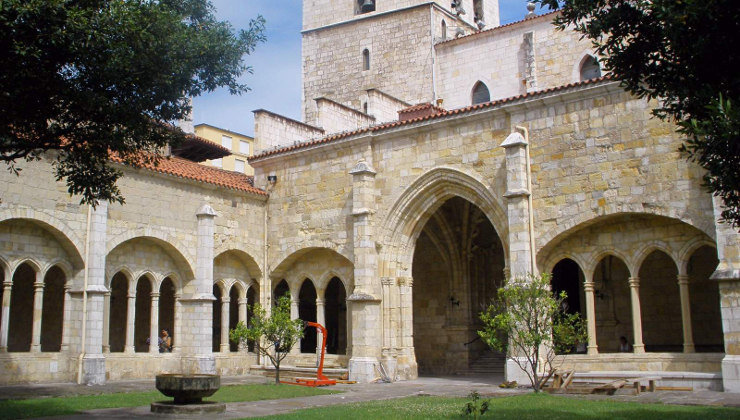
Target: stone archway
point(458, 265)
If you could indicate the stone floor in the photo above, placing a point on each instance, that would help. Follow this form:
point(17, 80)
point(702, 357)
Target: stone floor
point(442, 386)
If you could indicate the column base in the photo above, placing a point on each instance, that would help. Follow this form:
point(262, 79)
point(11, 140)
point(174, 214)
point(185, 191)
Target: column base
point(731, 373)
point(514, 373)
point(205, 363)
point(364, 369)
point(93, 369)
point(390, 364)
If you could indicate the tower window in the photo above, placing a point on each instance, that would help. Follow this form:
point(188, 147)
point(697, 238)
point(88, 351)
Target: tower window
point(480, 93)
point(365, 59)
point(364, 6)
point(590, 68)
point(444, 30)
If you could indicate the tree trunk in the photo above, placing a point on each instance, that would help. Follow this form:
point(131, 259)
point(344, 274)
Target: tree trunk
point(277, 374)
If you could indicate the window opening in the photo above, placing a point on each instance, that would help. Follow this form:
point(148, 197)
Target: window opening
point(590, 68)
point(480, 93)
point(365, 59)
point(364, 6)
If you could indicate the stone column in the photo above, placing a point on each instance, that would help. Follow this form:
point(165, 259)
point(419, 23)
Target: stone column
point(38, 303)
point(5, 321)
point(364, 302)
point(93, 372)
point(517, 194)
point(688, 334)
point(638, 346)
point(728, 276)
point(294, 315)
point(106, 322)
point(130, 322)
point(67, 317)
point(225, 315)
point(588, 288)
point(402, 316)
point(197, 305)
point(243, 319)
point(176, 329)
point(320, 319)
point(154, 324)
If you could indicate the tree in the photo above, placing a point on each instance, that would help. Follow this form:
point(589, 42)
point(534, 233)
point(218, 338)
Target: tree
point(528, 323)
point(680, 52)
point(84, 79)
point(276, 333)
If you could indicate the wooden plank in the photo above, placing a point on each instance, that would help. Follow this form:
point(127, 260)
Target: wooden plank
point(674, 388)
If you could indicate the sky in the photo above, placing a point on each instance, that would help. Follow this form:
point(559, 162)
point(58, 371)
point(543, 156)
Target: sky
point(276, 79)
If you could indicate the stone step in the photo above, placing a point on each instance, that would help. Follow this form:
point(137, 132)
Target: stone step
point(289, 373)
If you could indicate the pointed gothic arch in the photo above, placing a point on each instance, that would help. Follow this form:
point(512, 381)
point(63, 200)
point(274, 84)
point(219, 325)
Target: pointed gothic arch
point(480, 93)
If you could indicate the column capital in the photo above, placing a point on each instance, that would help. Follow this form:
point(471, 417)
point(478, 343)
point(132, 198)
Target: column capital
point(38, 285)
point(319, 301)
point(107, 294)
point(386, 281)
point(588, 286)
point(634, 282)
point(206, 211)
point(131, 295)
point(243, 301)
point(155, 295)
point(225, 300)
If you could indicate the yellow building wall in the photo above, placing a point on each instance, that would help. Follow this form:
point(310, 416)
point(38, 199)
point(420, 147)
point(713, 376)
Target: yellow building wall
point(215, 135)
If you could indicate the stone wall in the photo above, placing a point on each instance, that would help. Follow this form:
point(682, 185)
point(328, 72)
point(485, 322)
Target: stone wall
point(272, 130)
point(334, 117)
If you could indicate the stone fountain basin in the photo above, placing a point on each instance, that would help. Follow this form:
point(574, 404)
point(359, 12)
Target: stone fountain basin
point(188, 389)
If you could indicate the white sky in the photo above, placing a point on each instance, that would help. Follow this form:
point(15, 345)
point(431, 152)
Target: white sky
point(276, 81)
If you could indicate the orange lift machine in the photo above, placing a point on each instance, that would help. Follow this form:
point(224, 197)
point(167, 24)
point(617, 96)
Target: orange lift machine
point(320, 379)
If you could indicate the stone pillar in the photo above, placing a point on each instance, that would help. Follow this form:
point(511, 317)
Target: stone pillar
point(243, 319)
point(517, 194)
point(93, 370)
point(294, 315)
point(154, 324)
point(197, 304)
point(638, 346)
point(728, 276)
point(364, 302)
point(688, 334)
point(517, 208)
point(5, 321)
point(588, 288)
point(320, 319)
point(402, 316)
point(225, 315)
point(67, 317)
point(38, 303)
point(106, 323)
point(130, 322)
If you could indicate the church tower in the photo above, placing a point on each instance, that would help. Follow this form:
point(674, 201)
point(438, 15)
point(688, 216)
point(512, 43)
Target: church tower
point(376, 56)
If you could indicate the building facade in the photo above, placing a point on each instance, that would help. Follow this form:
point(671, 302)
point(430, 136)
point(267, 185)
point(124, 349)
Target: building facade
point(434, 160)
point(240, 146)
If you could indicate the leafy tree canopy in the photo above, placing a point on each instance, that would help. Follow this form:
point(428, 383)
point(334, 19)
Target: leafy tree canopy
point(86, 78)
point(684, 53)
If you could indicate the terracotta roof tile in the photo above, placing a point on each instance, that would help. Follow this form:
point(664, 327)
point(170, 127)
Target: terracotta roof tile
point(442, 114)
point(184, 168)
point(497, 28)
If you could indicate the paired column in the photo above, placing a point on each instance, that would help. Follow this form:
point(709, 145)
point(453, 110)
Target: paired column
point(38, 303)
point(130, 322)
point(106, 322)
point(588, 288)
point(688, 334)
point(154, 324)
point(638, 346)
point(243, 319)
point(7, 287)
point(225, 316)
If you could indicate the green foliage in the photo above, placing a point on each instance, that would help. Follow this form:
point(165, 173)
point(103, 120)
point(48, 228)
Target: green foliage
point(275, 332)
point(84, 79)
point(475, 407)
point(680, 52)
point(527, 322)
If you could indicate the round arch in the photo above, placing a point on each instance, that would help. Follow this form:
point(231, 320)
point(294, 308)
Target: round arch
point(170, 245)
point(648, 248)
point(253, 268)
point(295, 253)
point(66, 237)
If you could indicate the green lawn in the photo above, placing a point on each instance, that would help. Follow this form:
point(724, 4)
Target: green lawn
point(39, 407)
point(540, 407)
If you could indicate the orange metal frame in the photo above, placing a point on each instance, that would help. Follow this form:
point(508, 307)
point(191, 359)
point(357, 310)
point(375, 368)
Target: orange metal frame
point(320, 380)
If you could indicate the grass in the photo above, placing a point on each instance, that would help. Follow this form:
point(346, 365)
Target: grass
point(61, 406)
point(518, 407)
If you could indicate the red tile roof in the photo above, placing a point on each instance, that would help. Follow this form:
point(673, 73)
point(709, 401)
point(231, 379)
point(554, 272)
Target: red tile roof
point(419, 110)
point(442, 114)
point(183, 168)
point(497, 28)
